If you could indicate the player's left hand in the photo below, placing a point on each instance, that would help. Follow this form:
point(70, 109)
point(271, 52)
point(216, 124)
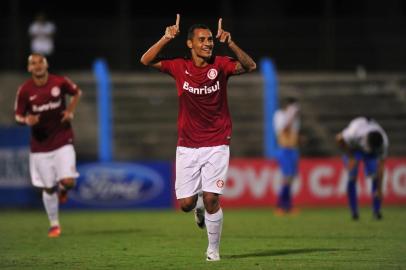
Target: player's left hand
point(294, 109)
point(223, 36)
point(67, 116)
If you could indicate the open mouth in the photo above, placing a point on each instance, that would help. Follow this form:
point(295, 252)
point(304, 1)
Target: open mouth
point(207, 50)
point(39, 72)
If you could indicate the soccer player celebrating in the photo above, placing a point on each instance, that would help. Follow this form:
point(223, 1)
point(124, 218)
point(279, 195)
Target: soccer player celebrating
point(364, 140)
point(204, 122)
point(287, 125)
point(40, 104)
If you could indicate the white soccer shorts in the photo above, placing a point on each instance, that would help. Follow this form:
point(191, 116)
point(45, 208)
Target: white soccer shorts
point(47, 168)
point(203, 168)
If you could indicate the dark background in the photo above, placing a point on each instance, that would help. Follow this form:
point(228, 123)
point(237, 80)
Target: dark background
point(315, 35)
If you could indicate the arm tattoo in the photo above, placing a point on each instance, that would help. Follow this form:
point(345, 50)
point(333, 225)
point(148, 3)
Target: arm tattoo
point(245, 61)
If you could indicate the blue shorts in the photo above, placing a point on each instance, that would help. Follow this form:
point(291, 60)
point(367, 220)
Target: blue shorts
point(288, 159)
point(370, 163)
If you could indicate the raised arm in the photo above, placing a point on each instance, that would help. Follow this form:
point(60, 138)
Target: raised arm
point(341, 143)
point(292, 114)
point(149, 57)
point(245, 62)
point(345, 148)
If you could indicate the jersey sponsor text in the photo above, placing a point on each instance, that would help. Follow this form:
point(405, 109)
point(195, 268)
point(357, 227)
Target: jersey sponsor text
point(46, 107)
point(203, 90)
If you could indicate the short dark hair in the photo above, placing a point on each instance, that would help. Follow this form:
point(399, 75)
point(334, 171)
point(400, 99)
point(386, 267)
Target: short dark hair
point(191, 31)
point(375, 141)
point(288, 101)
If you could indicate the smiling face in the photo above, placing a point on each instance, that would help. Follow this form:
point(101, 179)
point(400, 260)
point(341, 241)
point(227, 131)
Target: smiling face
point(201, 44)
point(37, 65)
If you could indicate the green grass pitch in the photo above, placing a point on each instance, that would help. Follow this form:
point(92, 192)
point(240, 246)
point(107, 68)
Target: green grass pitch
point(252, 239)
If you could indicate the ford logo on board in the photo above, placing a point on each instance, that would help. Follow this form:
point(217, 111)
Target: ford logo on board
point(116, 184)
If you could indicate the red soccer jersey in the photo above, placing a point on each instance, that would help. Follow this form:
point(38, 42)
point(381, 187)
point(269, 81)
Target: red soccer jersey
point(49, 102)
point(203, 116)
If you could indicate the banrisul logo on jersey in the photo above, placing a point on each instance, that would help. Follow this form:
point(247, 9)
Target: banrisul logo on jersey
point(202, 90)
point(122, 185)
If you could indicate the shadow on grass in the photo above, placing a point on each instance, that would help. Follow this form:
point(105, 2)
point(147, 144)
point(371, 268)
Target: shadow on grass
point(304, 237)
point(111, 232)
point(283, 252)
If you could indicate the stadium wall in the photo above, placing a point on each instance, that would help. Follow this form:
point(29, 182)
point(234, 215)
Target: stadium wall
point(251, 183)
point(320, 183)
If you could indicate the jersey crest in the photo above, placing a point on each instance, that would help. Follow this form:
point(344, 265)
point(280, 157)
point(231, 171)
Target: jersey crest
point(212, 74)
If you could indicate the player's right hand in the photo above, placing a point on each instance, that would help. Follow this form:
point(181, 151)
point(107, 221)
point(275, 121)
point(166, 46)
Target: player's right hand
point(32, 119)
point(172, 31)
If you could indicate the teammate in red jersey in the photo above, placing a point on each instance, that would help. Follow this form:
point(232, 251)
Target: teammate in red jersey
point(204, 122)
point(40, 104)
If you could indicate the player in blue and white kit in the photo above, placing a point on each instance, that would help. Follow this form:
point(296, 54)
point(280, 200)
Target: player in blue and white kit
point(287, 125)
point(364, 140)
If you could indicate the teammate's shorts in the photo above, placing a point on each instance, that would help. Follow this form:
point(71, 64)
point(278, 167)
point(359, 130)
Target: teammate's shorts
point(370, 163)
point(47, 168)
point(288, 160)
point(201, 169)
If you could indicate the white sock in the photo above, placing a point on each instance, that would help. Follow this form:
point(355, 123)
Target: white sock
point(51, 207)
point(199, 202)
point(214, 224)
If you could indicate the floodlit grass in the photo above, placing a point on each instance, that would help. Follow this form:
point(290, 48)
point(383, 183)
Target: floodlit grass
point(252, 239)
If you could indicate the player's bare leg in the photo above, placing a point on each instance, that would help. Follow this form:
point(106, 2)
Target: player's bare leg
point(188, 204)
point(214, 224)
point(195, 202)
point(64, 186)
point(50, 199)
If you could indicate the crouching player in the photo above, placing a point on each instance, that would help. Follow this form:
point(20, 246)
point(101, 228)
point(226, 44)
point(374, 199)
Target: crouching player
point(364, 140)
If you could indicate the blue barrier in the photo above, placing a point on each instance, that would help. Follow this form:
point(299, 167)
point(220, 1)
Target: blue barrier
point(270, 106)
point(102, 75)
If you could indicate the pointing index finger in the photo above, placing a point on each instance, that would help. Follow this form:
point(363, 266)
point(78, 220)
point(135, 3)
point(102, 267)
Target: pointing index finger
point(219, 26)
point(177, 20)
